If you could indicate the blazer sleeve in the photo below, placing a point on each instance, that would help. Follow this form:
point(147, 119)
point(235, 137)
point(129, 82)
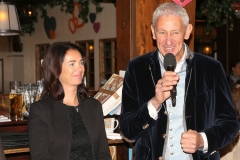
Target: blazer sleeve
point(225, 126)
point(37, 133)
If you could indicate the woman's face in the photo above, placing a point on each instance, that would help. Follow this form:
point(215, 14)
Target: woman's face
point(236, 70)
point(72, 69)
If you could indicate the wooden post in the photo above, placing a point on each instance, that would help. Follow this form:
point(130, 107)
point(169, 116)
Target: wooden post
point(134, 36)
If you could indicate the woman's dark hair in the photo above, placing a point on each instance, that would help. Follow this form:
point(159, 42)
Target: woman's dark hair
point(52, 68)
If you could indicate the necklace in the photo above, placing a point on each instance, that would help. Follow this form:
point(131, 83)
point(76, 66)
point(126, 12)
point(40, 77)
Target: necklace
point(76, 108)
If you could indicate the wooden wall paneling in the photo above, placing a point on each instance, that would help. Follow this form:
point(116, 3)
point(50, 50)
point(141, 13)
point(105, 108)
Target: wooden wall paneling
point(191, 10)
point(144, 42)
point(123, 33)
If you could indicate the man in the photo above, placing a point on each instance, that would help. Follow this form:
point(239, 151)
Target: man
point(203, 120)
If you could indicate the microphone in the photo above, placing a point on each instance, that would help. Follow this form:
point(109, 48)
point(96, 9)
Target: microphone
point(169, 65)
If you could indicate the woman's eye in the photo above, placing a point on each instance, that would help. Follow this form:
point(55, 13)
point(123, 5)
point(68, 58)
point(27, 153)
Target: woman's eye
point(82, 63)
point(71, 64)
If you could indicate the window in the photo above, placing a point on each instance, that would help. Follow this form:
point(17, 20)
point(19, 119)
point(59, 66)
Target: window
point(108, 58)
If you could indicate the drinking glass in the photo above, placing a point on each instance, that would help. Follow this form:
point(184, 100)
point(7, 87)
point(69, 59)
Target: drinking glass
point(15, 98)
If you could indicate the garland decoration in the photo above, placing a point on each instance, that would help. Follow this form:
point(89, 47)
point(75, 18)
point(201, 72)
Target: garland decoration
point(65, 6)
point(217, 13)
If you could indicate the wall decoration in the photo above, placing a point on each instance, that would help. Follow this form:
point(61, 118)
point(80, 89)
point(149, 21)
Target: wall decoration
point(50, 27)
point(96, 27)
point(217, 13)
point(1, 76)
point(184, 3)
point(65, 6)
point(92, 17)
point(73, 23)
point(236, 8)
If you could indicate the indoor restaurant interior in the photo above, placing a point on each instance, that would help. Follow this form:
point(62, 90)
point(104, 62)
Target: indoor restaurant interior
point(111, 32)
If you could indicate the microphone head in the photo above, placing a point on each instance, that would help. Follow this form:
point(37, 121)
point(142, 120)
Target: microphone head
point(169, 62)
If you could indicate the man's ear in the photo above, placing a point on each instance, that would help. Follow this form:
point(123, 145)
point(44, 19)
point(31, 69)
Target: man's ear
point(153, 33)
point(188, 31)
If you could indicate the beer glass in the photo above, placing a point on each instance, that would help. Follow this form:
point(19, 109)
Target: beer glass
point(15, 98)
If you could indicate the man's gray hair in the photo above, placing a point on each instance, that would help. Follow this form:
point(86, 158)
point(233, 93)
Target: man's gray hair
point(170, 9)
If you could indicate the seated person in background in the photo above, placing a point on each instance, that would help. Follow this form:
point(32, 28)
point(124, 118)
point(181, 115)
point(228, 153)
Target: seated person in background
point(66, 124)
point(235, 73)
point(203, 120)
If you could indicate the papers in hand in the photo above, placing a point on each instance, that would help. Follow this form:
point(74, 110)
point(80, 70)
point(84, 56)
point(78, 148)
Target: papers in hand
point(4, 119)
point(114, 135)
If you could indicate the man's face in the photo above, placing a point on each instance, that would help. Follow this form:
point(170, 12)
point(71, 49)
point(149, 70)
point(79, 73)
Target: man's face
point(170, 32)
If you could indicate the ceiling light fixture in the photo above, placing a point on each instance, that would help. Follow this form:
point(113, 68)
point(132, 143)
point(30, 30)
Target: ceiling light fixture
point(9, 22)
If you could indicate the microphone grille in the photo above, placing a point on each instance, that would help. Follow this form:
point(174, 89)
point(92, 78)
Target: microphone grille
point(169, 60)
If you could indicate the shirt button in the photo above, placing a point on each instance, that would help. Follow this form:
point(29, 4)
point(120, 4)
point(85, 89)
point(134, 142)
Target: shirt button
point(170, 121)
point(170, 113)
point(170, 137)
point(170, 129)
point(171, 153)
point(170, 105)
point(171, 145)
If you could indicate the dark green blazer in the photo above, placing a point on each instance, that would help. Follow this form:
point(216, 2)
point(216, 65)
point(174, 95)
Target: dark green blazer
point(49, 129)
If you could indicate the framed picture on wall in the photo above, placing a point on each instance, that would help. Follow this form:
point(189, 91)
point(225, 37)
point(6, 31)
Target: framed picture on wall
point(1, 75)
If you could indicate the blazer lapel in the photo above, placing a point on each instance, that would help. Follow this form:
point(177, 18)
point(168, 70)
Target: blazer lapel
point(154, 66)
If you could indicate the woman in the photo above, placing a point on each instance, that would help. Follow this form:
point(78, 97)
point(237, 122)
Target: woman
point(235, 73)
point(66, 123)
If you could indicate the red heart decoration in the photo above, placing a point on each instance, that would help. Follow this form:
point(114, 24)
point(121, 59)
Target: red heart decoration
point(184, 3)
point(96, 27)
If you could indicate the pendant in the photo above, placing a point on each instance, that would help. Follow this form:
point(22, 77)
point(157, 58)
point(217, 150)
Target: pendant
point(76, 109)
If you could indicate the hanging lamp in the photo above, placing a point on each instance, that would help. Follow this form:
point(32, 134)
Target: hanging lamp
point(9, 22)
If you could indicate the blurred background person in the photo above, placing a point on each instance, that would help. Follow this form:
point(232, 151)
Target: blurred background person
point(234, 75)
point(66, 123)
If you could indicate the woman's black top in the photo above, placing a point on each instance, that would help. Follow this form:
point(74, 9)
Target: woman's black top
point(80, 142)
